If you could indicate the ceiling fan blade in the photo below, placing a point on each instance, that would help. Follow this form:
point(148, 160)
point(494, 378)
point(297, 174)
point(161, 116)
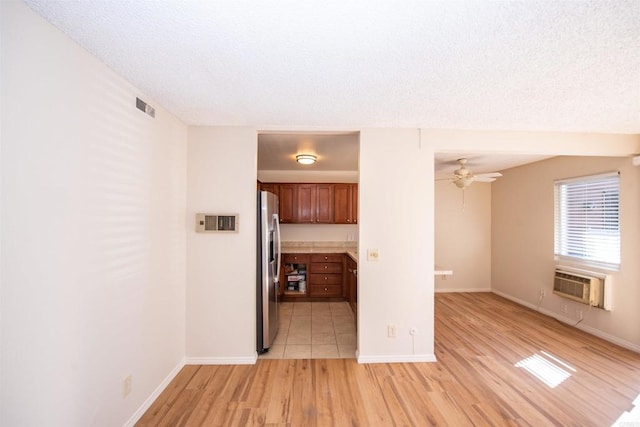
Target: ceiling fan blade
point(445, 179)
point(484, 179)
point(489, 175)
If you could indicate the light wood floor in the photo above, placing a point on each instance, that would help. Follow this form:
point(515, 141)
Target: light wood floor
point(486, 347)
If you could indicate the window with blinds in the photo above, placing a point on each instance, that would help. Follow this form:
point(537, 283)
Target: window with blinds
point(587, 219)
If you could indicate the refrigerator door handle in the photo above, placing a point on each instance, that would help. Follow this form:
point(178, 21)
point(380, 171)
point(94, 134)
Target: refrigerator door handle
point(276, 219)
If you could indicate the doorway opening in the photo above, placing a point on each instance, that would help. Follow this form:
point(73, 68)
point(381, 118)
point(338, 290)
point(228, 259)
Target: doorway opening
point(319, 235)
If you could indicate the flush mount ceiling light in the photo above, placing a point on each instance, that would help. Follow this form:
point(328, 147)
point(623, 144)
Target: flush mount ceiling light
point(306, 159)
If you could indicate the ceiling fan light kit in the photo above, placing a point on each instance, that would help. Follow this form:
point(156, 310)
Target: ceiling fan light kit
point(463, 181)
point(463, 177)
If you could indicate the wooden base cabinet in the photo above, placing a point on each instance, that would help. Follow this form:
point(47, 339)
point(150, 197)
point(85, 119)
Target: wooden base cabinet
point(294, 276)
point(351, 282)
point(324, 277)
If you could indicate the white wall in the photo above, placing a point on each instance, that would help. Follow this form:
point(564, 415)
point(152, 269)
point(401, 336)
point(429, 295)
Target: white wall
point(463, 237)
point(522, 240)
point(93, 234)
point(396, 217)
point(221, 268)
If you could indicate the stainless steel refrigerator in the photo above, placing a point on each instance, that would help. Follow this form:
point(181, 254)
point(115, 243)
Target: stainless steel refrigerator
point(268, 269)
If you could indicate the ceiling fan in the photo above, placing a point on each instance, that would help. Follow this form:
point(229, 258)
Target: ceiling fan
point(463, 177)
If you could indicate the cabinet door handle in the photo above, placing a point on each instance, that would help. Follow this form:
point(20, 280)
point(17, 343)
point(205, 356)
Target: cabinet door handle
point(348, 220)
point(326, 278)
point(326, 266)
point(326, 289)
point(326, 258)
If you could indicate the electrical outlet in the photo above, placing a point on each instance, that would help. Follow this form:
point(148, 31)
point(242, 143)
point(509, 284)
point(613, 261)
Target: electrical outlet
point(542, 292)
point(391, 331)
point(413, 331)
point(372, 255)
point(126, 385)
point(579, 314)
point(564, 308)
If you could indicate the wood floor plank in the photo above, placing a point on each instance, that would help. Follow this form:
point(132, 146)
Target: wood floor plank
point(169, 398)
point(491, 352)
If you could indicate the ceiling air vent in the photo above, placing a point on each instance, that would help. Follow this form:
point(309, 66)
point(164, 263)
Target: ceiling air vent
point(145, 108)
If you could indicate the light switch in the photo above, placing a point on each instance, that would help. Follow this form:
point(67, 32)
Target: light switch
point(372, 255)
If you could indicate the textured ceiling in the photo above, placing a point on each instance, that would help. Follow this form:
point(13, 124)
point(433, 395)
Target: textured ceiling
point(539, 66)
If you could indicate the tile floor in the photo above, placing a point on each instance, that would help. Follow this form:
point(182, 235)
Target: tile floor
point(314, 330)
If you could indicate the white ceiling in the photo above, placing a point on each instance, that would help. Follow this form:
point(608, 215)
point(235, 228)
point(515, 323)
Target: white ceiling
point(337, 65)
point(530, 65)
point(336, 151)
point(446, 163)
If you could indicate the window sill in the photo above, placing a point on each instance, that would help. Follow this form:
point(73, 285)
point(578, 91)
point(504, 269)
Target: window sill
point(581, 264)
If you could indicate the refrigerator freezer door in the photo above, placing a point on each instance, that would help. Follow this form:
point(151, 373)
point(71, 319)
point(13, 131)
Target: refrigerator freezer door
point(268, 270)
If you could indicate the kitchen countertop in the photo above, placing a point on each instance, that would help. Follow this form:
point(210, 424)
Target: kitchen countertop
point(349, 248)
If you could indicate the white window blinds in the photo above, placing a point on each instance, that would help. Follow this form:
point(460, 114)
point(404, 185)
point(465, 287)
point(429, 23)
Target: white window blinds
point(587, 219)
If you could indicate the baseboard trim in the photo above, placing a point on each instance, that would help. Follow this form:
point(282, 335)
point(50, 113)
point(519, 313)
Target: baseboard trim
point(401, 358)
point(571, 322)
point(222, 360)
point(156, 393)
point(466, 290)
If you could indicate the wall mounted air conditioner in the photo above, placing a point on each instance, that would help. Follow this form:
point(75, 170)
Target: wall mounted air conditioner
point(584, 288)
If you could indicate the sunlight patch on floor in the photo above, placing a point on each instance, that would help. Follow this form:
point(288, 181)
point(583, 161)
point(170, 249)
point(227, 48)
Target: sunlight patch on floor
point(630, 418)
point(547, 368)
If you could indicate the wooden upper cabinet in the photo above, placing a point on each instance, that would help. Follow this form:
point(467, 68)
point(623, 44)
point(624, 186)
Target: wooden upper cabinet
point(354, 203)
point(345, 204)
point(324, 203)
point(315, 203)
point(288, 194)
point(272, 188)
point(306, 203)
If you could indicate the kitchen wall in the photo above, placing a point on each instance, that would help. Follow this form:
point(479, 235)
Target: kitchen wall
point(307, 176)
point(93, 234)
point(463, 237)
point(522, 242)
point(319, 233)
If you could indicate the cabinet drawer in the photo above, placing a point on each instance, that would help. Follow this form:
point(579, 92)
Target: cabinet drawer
point(326, 267)
point(327, 258)
point(325, 279)
point(295, 258)
point(325, 290)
